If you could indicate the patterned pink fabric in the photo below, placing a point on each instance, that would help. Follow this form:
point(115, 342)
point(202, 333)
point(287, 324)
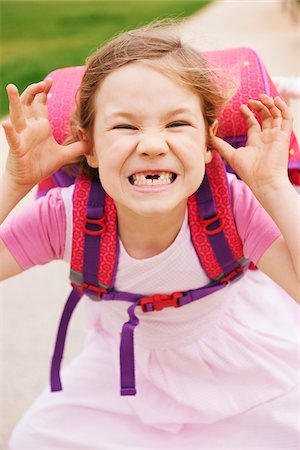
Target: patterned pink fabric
point(204, 250)
point(220, 191)
point(243, 67)
point(108, 243)
point(61, 99)
point(79, 201)
point(108, 239)
point(201, 242)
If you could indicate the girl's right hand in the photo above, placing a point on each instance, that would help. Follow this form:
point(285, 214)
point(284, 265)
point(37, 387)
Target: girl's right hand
point(33, 154)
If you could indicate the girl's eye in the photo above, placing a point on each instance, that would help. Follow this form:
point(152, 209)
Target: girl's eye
point(177, 124)
point(125, 126)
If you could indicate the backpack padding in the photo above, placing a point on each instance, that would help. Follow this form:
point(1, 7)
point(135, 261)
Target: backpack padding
point(82, 209)
point(243, 64)
point(213, 230)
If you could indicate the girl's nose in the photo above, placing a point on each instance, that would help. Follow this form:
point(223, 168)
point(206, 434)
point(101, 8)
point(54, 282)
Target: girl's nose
point(152, 146)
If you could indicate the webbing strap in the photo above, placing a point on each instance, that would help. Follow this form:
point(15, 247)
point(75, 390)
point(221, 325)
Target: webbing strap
point(218, 241)
point(127, 371)
point(127, 365)
point(213, 230)
point(92, 237)
point(70, 305)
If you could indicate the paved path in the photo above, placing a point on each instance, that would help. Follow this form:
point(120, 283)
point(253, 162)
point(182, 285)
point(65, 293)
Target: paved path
point(32, 302)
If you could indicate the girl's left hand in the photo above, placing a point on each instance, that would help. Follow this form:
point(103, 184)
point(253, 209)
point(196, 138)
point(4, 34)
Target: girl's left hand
point(264, 159)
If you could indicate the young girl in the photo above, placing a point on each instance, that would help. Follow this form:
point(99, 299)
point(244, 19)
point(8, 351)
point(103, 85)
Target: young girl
point(220, 372)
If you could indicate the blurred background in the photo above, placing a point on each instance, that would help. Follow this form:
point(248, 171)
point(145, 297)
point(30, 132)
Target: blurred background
point(40, 36)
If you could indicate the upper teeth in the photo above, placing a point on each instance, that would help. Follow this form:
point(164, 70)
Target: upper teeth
point(152, 178)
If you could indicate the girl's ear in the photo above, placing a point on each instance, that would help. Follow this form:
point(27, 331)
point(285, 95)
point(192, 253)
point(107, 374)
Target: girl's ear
point(90, 156)
point(214, 128)
point(212, 132)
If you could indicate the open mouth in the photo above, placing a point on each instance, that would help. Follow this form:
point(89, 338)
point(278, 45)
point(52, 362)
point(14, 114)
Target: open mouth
point(152, 178)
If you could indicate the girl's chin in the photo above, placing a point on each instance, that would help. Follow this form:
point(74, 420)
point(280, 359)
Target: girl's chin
point(165, 209)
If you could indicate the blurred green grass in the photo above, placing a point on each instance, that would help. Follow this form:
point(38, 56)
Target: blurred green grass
point(40, 36)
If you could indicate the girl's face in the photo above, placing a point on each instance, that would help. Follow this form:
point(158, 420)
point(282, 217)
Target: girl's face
point(149, 141)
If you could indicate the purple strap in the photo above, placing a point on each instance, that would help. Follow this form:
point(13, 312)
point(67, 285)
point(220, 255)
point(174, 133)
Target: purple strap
point(70, 305)
point(90, 277)
point(95, 210)
point(127, 336)
point(127, 353)
point(127, 366)
point(218, 240)
point(61, 178)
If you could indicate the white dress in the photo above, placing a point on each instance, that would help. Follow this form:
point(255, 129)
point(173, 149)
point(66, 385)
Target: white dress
point(220, 373)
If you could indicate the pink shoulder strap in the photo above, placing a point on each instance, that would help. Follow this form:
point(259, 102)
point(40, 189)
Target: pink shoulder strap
point(98, 220)
point(213, 230)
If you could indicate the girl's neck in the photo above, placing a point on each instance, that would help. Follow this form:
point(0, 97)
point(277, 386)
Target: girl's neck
point(143, 237)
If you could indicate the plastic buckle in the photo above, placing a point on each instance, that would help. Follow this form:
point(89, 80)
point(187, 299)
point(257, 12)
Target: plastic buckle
point(98, 290)
point(210, 221)
point(77, 287)
point(100, 222)
point(159, 302)
point(232, 276)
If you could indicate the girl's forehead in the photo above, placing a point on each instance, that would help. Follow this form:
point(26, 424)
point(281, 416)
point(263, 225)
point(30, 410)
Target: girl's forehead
point(137, 83)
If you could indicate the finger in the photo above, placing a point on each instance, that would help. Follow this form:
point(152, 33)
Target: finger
point(263, 113)
point(12, 137)
point(287, 117)
point(38, 105)
point(31, 92)
point(222, 147)
point(36, 99)
point(42, 98)
point(15, 108)
point(74, 150)
point(251, 121)
point(275, 112)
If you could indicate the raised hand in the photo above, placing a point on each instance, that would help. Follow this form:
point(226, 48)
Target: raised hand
point(263, 161)
point(34, 154)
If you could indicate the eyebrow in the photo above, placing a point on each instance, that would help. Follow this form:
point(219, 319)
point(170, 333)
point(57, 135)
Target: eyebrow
point(132, 115)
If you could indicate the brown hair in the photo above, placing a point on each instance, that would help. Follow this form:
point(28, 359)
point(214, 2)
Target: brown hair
point(158, 45)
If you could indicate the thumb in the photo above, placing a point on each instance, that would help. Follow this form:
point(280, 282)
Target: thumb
point(223, 148)
point(74, 150)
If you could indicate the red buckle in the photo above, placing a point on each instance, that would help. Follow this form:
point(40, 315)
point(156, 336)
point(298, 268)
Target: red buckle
point(160, 302)
point(98, 290)
point(207, 222)
point(252, 266)
point(232, 275)
point(100, 222)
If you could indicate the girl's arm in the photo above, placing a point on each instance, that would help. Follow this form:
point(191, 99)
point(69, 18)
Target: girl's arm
point(33, 154)
point(262, 164)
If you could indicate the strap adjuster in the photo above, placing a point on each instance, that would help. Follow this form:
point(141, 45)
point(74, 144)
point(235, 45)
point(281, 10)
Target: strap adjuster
point(94, 289)
point(232, 276)
point(212, 220)
point(158, 302)
point(102, 222)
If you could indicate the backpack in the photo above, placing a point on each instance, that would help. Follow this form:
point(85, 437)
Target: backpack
point(95, 241)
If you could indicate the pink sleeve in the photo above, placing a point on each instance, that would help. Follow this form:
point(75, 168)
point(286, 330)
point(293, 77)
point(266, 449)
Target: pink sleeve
point(37, 234)
point(255, 227)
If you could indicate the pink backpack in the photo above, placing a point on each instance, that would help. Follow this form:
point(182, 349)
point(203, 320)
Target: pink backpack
point(95, 248)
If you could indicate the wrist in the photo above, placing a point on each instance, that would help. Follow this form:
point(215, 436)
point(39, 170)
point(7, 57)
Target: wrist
point(274, 193)
point(11, 186)
point(11, 193)
point(272, 186)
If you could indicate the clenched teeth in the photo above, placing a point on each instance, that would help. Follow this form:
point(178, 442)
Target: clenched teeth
point(149, 179)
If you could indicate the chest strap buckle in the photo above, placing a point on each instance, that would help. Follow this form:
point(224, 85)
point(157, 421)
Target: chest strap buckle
point(158, 302)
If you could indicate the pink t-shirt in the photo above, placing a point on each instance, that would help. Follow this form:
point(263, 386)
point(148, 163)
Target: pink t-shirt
point(41, 232)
